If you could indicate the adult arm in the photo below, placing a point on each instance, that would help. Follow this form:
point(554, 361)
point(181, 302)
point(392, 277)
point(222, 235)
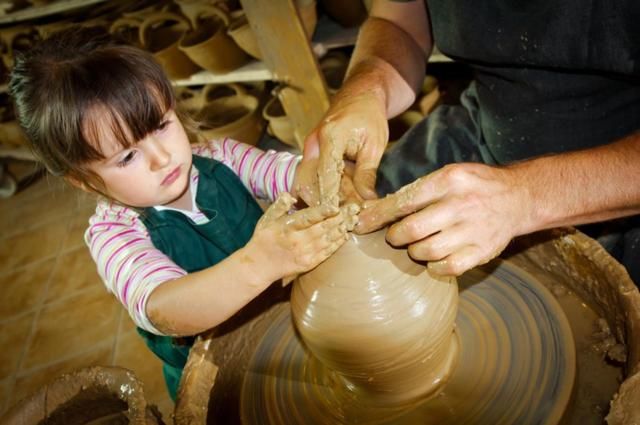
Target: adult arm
point(465, 214)
point(386, 69)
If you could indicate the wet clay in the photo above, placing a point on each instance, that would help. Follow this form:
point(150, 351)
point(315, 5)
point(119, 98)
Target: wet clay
point(349, 312)
point(385, 351)
point(585, 280)
point(88, 396)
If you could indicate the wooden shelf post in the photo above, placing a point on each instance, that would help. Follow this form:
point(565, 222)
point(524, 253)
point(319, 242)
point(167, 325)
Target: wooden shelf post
point(288, 54)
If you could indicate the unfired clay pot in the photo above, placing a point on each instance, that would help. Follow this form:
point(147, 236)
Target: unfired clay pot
point(236, 116)
point(244, 36)
point(160, 34)
point(280, 125)
point(208, 44)
point(356, 301)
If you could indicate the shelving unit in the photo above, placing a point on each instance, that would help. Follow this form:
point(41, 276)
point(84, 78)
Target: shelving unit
point(304, 95)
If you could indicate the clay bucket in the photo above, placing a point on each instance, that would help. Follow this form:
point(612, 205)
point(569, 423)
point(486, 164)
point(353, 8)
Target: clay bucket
point(128, 29)
point(160, 33)
point(280, 125)
point(243, 35)
point(211, 384)
point(189, 100)
point(234, 116)
point(208, 44)
point(91, 395)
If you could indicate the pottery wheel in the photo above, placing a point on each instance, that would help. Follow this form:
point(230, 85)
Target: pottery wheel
point(516, 365)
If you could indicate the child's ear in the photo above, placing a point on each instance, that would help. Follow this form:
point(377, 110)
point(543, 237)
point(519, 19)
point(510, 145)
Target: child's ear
point(80, 185)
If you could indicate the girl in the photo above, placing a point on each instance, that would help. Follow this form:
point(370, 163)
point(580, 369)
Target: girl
point(174, 234)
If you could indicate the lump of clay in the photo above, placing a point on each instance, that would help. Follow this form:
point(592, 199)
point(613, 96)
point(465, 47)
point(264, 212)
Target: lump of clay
point(379, 320)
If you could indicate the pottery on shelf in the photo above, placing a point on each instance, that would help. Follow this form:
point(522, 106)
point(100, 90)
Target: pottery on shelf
point(280, 124)
point(334, 67)
point(379, 320)
point(243, 35)
point(234, 115)
point(128, 29)
point(160, 34)
point(208, 44)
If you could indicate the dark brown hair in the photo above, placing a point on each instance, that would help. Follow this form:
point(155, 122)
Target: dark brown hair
point(63, 84)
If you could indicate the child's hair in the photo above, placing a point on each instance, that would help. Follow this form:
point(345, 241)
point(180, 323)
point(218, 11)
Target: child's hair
point(69, 83)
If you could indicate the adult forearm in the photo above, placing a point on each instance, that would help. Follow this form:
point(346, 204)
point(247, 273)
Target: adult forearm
point(204, 299)
point(581, 187)
point(390, 55)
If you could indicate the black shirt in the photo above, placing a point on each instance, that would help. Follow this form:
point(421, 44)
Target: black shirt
point(551, 75)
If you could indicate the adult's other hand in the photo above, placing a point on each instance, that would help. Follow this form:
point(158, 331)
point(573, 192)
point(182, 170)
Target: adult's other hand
point(456, 218)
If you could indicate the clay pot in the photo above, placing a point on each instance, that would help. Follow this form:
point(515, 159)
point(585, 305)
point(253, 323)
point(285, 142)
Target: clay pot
point(208, 44)
point(17, 39)
point(160, 33)
point(244, 36)
point(280, 125)
point(353, 304)
point(11, 134)
point(235, 116)
point(128, 29)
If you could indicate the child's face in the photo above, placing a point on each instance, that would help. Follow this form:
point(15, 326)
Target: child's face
point(154, 171)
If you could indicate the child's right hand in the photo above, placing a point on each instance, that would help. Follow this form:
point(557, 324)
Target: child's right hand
point(288, 244)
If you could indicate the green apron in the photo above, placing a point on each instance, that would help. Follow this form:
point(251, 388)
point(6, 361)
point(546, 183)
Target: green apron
point(232, 212)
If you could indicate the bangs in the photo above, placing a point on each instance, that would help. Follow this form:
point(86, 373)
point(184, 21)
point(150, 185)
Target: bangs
point(124, 104)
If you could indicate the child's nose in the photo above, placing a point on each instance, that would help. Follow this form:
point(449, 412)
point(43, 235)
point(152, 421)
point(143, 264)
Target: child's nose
point(159, 157)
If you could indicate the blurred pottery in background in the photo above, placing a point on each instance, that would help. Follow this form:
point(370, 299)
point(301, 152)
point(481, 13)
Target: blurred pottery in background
point(160, 34)
point(234, 114)
point(17, 39)
point(280, 125)
point(127, 28)
point(243, 35)
point(402, 123)
point(430, 95)
point(208, 44)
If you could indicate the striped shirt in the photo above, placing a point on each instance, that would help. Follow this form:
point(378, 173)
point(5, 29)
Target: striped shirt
point(128, 262)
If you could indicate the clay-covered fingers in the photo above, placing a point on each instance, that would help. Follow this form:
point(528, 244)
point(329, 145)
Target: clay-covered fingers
point(319, 241)
point(307, 217)
point(407, 200)
point(279, 208)
point(330, 164)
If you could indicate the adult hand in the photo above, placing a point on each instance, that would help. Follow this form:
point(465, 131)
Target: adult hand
point(354, 128)
point(292, 243)
point(458, 217)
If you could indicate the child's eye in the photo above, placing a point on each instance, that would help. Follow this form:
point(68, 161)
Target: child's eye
point(164, 124)
point(127, 159)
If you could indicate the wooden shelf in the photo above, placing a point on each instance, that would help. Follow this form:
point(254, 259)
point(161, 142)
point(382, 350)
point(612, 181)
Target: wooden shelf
point(49, 9)
point(253, 71)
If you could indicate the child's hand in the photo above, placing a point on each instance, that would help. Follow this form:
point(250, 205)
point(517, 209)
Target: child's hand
point(288, 244)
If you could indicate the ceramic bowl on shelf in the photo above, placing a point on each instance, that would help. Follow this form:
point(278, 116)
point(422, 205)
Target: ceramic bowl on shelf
point(208, 44)
point(229, 111)
point(280, 124)
point(160, 34)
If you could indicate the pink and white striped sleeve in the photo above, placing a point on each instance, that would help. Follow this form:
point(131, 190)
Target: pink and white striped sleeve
point(128, 263)
point(265, 174)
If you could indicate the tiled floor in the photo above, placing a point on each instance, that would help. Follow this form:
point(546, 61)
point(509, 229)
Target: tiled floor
point(55, 313)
